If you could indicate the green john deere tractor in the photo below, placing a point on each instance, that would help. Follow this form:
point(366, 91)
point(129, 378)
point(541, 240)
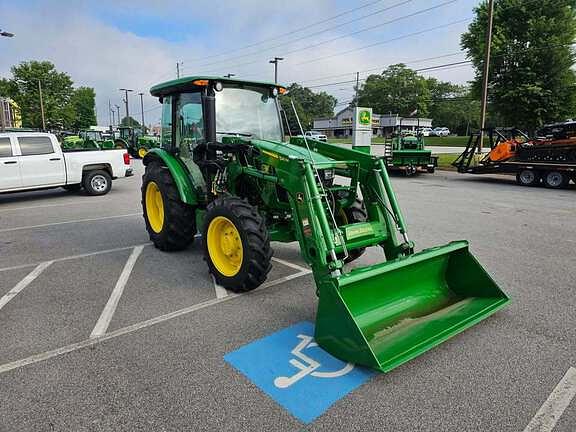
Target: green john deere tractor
point(136, 141)
point(90, 140)
point(223, 170)
point(405, 152)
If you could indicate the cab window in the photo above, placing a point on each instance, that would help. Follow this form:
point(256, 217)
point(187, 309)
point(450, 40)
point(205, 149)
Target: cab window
point(190, 127)
point(30, 146)
point(166, 124)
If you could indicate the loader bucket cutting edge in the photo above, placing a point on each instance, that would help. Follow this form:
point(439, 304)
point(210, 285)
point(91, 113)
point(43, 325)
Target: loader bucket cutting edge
point(386, 314)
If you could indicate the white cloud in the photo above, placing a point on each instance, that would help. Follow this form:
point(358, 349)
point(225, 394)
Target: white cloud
point(99, 55)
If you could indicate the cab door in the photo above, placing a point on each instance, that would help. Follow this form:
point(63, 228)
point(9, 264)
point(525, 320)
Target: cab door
point(41, 165)
point(10, 177)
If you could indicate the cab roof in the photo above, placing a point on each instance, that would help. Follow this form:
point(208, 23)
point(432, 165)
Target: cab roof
point(187, 83)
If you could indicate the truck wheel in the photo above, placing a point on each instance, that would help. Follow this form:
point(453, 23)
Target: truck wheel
point(528, 178)
point(72, 187)
point(171, 223)
point(97, 182)
point(353, 214)
point(556, 180)
point(236, 244)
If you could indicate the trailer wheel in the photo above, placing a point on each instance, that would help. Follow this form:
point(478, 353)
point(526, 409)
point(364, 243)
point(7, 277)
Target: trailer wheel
point(528, 178)
point(236, 244)
point(556, 180)
point(353, 214)
point(97, 182)
point(171, 223)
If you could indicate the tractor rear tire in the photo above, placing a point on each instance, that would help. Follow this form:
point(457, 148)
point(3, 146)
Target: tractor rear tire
point(528, 177)
point(236, 244)
point(171, 223)
point(555, 180)
point(353, 214)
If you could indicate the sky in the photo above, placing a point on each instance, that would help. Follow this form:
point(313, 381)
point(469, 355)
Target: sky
point(112, 44)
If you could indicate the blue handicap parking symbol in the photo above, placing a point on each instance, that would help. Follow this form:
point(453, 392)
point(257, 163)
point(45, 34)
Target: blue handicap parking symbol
point(294, 371)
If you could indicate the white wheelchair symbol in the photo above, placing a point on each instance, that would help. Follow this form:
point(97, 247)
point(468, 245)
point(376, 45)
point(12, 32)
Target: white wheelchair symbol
point(307, 365)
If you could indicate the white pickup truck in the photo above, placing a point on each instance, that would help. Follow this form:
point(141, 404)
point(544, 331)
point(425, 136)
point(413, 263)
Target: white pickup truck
point(34, 160)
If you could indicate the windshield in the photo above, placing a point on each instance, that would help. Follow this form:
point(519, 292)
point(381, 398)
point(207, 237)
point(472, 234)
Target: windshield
point(247, 111)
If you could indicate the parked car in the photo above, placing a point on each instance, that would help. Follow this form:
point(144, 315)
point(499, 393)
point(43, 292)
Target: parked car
point(425, 131)
point(316, 135)
point(33, 160)
point(440, 132)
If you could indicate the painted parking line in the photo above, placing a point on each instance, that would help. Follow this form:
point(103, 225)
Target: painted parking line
point(220, 291)
point(28, 279)
point(108, 312)
point(69, 222)
point(36, 358)
point(71, 257)
point(551, 411)
point(289, 264)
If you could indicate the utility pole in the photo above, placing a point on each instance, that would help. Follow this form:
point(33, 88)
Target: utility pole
point(486, 73)
point(110, 112)
point(113, 118)
point(357, 84)
point(41, 106)
point(118, 116)
point(2, 115)
point(178, 69)
point(126, 103)
point(142, 110)
point(275, 63)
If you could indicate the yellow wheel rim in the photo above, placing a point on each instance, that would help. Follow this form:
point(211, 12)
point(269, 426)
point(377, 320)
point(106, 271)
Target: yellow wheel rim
point(224, 246)
point(142, 152)
point(154, 207)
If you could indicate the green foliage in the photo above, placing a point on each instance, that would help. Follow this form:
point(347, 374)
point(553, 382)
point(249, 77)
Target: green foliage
point(82, 102)
point(398, 90)
point(531, 77)
point(64, 107)
point(129, 121)
point(309, 105)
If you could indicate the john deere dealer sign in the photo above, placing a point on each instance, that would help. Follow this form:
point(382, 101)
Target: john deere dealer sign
point(362, 132)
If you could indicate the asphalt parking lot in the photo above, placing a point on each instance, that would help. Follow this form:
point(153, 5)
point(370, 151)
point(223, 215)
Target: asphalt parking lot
point(102, 332)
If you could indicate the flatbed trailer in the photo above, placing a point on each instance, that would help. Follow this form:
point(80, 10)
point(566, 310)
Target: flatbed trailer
point(552, 166)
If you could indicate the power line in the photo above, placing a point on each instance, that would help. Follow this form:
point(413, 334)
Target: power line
point(352, 34)
point(297, 30)
point(379, 11)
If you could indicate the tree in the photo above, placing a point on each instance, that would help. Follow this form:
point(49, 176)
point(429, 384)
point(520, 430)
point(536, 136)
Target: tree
point(531, 77)
point(56, 92)
point(309, 105)
point(129, 121)
point(82, 103)
point(398, 90)
point(453, 106)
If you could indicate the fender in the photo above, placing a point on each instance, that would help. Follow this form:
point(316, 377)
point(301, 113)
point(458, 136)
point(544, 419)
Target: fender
point(179, 173)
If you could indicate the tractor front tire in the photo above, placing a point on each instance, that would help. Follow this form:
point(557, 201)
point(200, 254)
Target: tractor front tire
point(236, 244)
point(353, 214)
point(171, 223)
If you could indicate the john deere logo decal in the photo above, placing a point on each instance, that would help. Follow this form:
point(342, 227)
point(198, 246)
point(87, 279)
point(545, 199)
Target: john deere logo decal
point(365, 118)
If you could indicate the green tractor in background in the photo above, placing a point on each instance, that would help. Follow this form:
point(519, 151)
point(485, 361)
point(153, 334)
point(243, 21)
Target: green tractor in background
point(405, 152)
point(225, 171)
point(90, 140)
point(136, 141)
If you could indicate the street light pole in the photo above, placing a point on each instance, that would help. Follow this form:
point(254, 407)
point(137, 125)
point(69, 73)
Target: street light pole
point(126, 103)
point(41, 105)
point(178, 69)
point(275, 63)
point(486, 73)
point(142, 109)
point(118, 116)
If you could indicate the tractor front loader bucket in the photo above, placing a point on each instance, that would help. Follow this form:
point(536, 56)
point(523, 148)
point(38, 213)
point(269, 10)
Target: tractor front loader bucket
point(386, 314)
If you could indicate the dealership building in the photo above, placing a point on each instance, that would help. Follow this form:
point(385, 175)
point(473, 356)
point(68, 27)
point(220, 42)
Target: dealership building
point(382, 124)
